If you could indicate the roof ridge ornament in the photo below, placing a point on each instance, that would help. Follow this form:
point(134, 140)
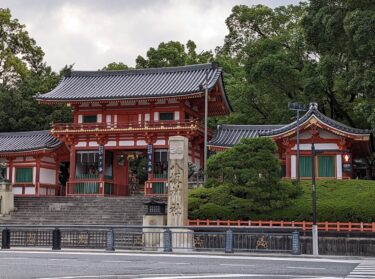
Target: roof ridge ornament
point(313, 106)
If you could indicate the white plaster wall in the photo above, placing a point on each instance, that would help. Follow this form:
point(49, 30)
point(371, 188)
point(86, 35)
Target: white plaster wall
point(81, 144)
point(339, 166)
point(108, 118)
point(318, 146)
point(126, 143)
point(293, 167)
point(327, 135)
point(30, 191)
point(48, 159)
point(42, 191)
point(176, 115)
point(141, 142)
point(13, 175)
point(17, 190)
point(111, 143)
point(93, 143)
point(34, 175)
point(47, 176)
point(80, 118)
point(147, 117)
point(139, 117)
point(29, 158)
point(99, 118)
point(160, 142)
point(156, 116)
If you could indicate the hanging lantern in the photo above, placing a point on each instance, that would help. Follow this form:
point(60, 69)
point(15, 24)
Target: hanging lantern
point(346, 158)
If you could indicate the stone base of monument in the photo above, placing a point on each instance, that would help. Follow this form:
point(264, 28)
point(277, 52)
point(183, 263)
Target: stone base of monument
point(182, 240)
point(153, 237)
point(6, 198)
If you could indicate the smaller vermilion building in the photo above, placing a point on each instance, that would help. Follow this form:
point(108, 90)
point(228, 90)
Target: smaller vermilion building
point(338, 146)
point(31, 162)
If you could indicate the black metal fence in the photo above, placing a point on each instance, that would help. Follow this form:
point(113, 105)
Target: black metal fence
point(167, 239)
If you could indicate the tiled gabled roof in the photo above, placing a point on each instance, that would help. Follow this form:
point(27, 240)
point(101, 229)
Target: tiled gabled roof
point(314, 112)
point(134, 84)
point(229, 135)
point(27, 141)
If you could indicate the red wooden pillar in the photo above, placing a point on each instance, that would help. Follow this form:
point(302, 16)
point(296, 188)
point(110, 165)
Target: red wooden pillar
point(10, 164)
point(287, 165)
point(193, 151)
point(37, 176)
point(72, 168)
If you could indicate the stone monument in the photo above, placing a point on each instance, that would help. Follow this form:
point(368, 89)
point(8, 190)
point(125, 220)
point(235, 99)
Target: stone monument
point(177, 212)
point(6, 197)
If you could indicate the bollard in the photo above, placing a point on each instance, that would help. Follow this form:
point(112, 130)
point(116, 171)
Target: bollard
point(229, 241)
point(5, 241)
point(56, 239)
point(296, 243)
point(167, 240)
point(110, 240)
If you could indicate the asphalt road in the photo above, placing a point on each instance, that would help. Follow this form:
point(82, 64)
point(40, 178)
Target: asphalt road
point(82, 265)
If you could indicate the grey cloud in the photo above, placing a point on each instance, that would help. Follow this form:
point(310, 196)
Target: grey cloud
point(93, 33)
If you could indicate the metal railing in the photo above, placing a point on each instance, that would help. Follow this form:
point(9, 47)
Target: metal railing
point(90, 187)
point(304, 225)
point(156, 187)
point(160, 238)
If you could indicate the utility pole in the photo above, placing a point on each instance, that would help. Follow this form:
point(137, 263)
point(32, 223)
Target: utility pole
point(205, 128)
point(313, 181)
point(297, 107)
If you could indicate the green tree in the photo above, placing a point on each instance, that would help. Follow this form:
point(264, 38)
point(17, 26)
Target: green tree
point(243, 180)
point(114, 66)
point(23, 74)
point(341, 42)
point(267, 52)
point(19, 54)
point(173, 53)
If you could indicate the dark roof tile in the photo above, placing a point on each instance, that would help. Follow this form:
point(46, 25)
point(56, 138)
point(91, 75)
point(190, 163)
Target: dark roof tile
point(27, 141)
point(140, 83)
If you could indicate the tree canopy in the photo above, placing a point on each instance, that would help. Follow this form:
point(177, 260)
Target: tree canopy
point(173, 54)
point(243, 180)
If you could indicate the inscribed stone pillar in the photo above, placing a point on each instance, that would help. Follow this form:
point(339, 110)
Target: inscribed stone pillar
point(178, 181)
point(6, 197)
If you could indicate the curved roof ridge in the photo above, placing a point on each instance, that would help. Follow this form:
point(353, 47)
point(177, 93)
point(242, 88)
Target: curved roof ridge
point(144, 70)
point(314, 112)
point(24, 133)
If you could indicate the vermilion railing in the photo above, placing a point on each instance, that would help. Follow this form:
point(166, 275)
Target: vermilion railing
point(304, 225)
point(131, 125)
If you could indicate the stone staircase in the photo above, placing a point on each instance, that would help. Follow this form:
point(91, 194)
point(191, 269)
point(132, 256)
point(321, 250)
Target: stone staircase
point(78, 210)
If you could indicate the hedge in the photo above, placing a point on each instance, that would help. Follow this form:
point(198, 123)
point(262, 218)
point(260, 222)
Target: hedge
point(337, 200)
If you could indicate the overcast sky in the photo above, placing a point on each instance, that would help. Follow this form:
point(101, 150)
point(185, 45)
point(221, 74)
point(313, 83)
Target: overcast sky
point(93, 33)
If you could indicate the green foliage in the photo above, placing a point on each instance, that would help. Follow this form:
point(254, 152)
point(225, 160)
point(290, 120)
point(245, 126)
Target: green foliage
point(114, 66)
point(173, 54)
point(244, 181)
point(337, 200)
point(19, 54)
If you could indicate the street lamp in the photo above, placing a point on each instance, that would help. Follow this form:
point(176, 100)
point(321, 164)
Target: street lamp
point(297, 107)
point(205, 128)
point(313, 182)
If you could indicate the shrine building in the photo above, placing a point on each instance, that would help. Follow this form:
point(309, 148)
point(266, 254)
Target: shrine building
point(119, 137)
point(340, 149)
